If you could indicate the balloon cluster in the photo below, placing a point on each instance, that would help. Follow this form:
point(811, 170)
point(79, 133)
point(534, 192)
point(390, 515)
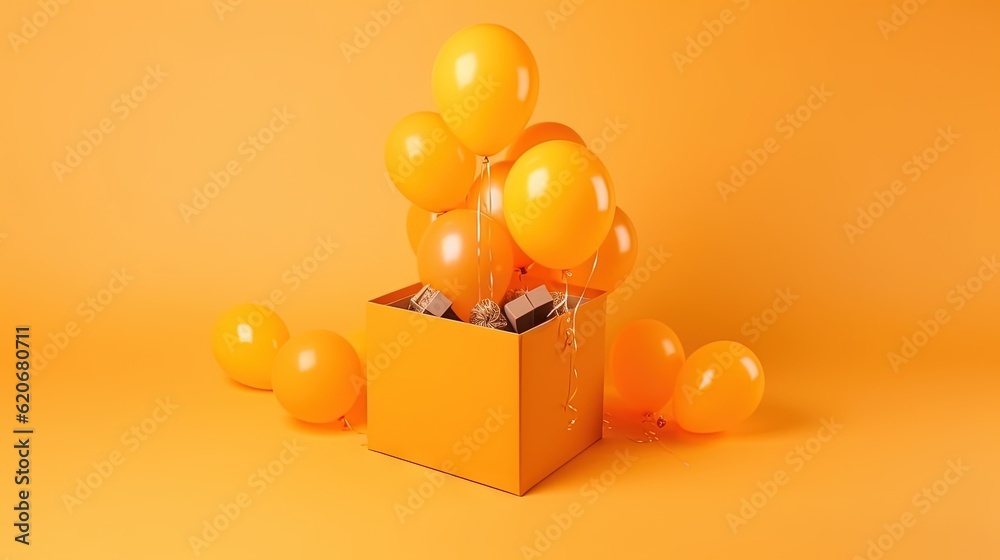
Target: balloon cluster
point(316, 376)
point(548, 205)
point(714, 389)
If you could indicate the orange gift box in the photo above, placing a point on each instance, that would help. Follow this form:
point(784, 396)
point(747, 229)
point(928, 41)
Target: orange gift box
point(479, 403)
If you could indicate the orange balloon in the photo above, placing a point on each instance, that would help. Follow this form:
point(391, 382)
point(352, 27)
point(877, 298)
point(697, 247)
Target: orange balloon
point(718, 387)
point(449, 261)
point(357, 415)
point(645, 359)
point(417, 220)
point(316, 376)
point(538, 133)
point(489, 196)
point(534, 276)
point(427, 163)
point(359, 342)
point(485, 83)
point(245, 340)
point(559, 203)
point(615, 258)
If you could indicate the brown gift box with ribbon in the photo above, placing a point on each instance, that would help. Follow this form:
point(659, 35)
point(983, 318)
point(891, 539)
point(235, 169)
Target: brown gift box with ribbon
point(495, 407)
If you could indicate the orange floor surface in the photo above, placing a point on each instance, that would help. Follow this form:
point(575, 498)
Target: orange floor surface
point(822, 470)
point(815, 180)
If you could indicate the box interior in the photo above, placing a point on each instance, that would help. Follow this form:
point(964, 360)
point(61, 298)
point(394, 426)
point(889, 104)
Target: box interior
point(400, 299)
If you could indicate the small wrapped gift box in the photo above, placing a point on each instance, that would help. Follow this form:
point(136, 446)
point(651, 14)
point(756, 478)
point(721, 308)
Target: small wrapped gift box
point(431, 301)
point(483, 404)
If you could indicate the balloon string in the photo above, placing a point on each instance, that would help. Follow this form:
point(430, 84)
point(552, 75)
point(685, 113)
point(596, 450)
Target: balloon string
point(347, 424)
point(574, 379)
point(479, 237)
point(649, 432)
point(571, 340)
point(489, 210)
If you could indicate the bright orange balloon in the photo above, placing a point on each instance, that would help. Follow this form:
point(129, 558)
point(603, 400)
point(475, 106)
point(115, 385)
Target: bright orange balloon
point(559, 203)
point(645, 359)
point(245, 340)
point(427, 163)
point(719, 386)
point(448, 260)
point(489, 196)
point(417, 220)
point(485, 84)
point(316, 376)
point(538, 133)
point(615, 258)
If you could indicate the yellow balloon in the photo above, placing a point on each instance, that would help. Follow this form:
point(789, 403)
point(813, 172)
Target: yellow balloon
point(559, 204)
point(485, 84)
point(245, 340)
point(427, 163)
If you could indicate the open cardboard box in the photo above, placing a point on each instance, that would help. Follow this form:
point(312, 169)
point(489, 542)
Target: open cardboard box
point(483, 404)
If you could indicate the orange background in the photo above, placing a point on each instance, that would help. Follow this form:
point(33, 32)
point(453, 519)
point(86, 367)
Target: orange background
point(322, 176)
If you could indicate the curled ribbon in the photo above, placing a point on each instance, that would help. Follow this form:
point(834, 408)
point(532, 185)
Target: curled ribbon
point(650, 424)
point(487, 313)
point(571, 342)
point(484, 177)
point(347, 426)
